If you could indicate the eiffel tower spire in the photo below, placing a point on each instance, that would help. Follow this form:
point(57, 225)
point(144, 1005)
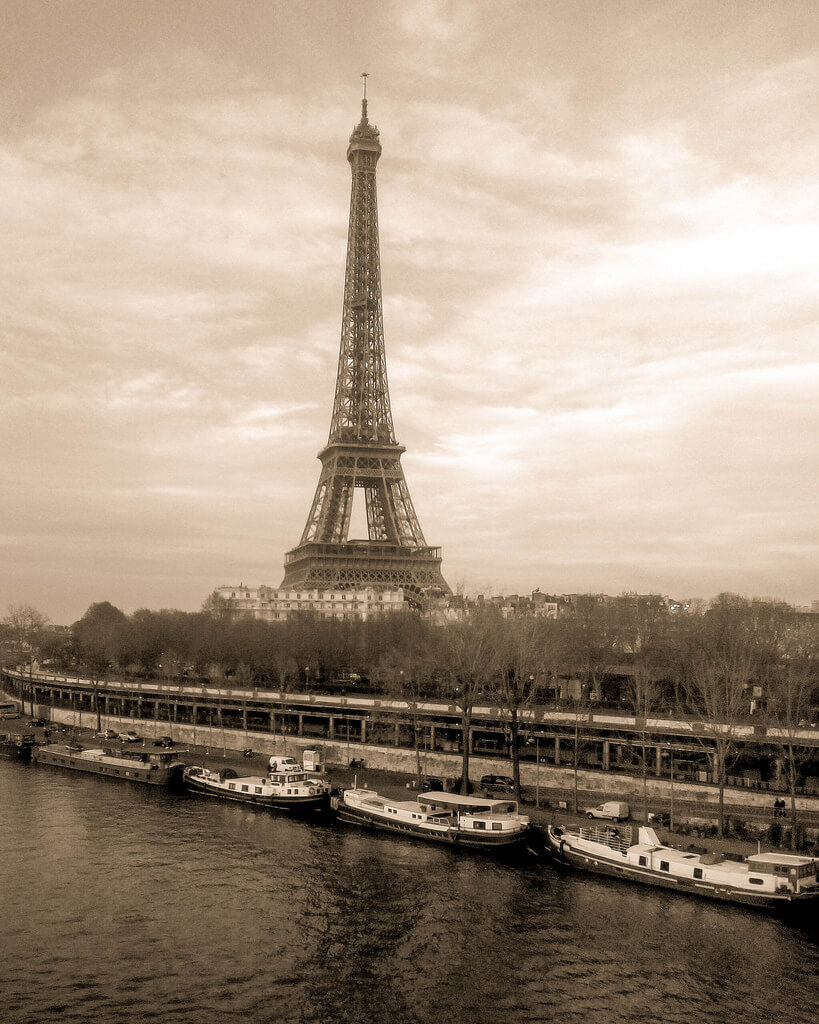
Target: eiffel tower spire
point(361, 449)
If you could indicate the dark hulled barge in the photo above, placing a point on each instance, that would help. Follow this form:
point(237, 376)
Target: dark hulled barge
point(156, 768)
point(16, 745)
point(471, 822)
point(287, 786)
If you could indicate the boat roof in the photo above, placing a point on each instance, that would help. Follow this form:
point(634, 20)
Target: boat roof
point(457, 800)
point(791, 859)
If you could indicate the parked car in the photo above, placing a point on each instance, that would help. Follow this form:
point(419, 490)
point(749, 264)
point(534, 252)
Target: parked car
point(37, 723)
point(129, 737)
point(431, 784)
point(106, 734)
point(613, 810)
point(163, 741)
point(498, 784)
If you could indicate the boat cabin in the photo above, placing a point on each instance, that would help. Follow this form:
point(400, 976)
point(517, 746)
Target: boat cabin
point(789, 871)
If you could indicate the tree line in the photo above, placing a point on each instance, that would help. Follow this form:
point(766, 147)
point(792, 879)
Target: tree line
point(716, 663)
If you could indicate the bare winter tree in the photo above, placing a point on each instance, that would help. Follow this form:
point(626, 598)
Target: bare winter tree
point(722, 662)
point(25, 623)
point(790, 700)
point(468, 654)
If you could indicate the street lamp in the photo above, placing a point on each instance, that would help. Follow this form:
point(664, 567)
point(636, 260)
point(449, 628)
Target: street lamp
point(671, 812)
point(537, 767)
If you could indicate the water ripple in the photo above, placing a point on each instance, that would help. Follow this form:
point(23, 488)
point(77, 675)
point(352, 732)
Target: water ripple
point(121, 903)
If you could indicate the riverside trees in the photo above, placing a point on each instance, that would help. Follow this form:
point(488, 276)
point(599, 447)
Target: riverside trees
point(699, 664)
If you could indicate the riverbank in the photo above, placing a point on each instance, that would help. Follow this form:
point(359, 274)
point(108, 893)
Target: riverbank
point(695, 823)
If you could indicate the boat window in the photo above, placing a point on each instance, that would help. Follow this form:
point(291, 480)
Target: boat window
point(663, 865)
point(231, 785)
point(497, 826)
point(244, 789)
point(697, 872)
point(756, 881)
point(479, 824)
point(643, 862)
point(258, 789)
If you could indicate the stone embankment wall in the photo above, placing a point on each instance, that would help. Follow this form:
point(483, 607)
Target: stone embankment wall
point(592, 785)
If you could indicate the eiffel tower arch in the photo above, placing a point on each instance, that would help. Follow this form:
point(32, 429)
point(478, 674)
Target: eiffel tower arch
point(361, 450)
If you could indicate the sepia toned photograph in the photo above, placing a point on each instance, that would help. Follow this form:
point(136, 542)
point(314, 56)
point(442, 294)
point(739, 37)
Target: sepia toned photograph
point(409, 547)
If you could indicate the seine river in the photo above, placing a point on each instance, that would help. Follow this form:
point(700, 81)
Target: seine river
point(120, 903)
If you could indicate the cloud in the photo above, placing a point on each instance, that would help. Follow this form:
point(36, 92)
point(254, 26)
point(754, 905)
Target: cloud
point(599, 254)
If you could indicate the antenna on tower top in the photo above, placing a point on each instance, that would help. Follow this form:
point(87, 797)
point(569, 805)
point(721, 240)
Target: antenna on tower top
point(364, 77)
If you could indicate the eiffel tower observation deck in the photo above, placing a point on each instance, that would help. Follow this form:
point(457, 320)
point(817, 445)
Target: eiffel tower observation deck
point(361, 450)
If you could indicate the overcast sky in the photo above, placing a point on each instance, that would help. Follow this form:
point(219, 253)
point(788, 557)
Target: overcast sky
point(600, 253)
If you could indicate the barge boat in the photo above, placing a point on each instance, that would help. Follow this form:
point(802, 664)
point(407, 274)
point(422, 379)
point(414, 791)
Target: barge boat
point(472, 822)
point(766, 880)
point(154, 767)
point(287, 786)
point(16, 745)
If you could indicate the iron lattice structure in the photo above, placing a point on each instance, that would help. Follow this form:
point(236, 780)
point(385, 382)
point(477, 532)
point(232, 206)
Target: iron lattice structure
point(361, 450)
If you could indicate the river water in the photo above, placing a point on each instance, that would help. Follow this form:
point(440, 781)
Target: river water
point(123, 903)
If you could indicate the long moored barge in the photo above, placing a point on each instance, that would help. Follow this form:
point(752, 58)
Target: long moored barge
point(767, 880)
point(287, 786)
point(471, 822)
point(154, 767)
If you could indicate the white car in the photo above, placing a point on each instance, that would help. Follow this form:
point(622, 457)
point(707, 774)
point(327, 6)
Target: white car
point(129, 737)
point(612, 810)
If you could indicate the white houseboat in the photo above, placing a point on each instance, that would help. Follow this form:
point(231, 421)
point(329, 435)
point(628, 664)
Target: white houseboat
point(154, 767)
point(286, 786)
point(761, 880)
point(473, 822)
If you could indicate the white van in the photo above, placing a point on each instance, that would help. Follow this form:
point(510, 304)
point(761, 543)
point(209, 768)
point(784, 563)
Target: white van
point(613, 810)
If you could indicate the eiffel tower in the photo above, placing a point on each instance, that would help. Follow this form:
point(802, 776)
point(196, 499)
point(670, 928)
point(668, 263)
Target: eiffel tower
point(361, 450)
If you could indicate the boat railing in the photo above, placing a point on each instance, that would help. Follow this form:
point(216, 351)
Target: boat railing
point(615, 838)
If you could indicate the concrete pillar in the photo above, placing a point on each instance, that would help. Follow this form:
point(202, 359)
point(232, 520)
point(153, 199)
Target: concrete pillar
point(658, 761)
point(301, 724)
point(194, 714)
point(557, 750)
point(156, 710)
point(332, 732)
point(606, 755)
point(244, 719)
point(363, 731)
point(397, 735)
point(432, 737)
